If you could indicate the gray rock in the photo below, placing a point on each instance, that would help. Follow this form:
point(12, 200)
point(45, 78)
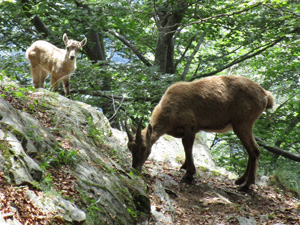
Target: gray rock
point(69, 211)
point(109, 194)
point(170, 150)
point(246, 221)
point(167, 206)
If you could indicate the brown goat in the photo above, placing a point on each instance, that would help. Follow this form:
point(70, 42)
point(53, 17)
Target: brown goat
point(46, 59)
point(212, 104)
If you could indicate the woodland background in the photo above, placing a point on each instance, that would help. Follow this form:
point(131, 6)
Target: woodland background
point(136, 49)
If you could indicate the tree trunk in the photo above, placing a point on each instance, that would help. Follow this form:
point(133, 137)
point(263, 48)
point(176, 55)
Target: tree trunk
point(168, 22)
point(95, 47)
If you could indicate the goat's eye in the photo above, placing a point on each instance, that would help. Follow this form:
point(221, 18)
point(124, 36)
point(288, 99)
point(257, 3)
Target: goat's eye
point(68, 48)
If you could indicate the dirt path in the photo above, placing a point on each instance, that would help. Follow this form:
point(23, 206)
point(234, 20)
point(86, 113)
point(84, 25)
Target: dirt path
point(214, 199)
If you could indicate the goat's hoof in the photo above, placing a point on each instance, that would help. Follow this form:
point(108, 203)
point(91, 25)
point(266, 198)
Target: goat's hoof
point(187, 180)
point(244, 188)
point(183, 167)
point(239, 181)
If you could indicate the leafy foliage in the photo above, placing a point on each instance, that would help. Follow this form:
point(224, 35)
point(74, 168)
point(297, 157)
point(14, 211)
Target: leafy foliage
point(132, 46)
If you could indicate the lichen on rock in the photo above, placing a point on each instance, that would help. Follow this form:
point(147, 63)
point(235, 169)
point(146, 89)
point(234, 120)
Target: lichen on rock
point(55, 132)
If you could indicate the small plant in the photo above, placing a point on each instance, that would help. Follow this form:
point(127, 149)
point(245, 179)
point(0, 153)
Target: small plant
point(95, 133)
point(47, 182)
point(60, 157)
point(19, 94)
point(93, 212)
point(132, 213)
point(67, 157)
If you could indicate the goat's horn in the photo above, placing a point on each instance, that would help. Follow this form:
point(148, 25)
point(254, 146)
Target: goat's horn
point(129, 134)
point(133, 128)
point(139, 131)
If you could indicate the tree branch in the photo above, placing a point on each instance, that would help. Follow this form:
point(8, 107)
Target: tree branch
point(116, 110)
point(35, 19)
point(221, 15)
point(98, 94)
point(107, 95)
point(186, 49)
point(241, 59)
point(130, 46)
point(279, 151)
point(190, 58)
point(286, 101)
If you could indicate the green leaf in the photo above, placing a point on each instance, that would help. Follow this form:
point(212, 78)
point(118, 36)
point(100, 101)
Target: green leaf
point(19, 94)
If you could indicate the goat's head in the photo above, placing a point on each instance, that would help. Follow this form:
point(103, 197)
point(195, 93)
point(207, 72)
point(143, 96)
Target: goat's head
point(73, 47)
point(139, 144)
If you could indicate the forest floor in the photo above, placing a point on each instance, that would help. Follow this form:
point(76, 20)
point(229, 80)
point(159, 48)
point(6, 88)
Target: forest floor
point(214, 199)
point(211, 199)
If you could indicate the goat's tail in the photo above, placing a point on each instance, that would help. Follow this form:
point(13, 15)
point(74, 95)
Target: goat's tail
point(270, 100)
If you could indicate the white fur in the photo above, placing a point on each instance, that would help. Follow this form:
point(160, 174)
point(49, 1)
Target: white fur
point(46, 58)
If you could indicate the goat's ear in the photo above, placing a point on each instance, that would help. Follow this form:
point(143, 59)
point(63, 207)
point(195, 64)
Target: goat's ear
point(129, 134)
point(83, 42)
point(133, 128)
point(138, 136)
point(65, 38)
point(149, 132)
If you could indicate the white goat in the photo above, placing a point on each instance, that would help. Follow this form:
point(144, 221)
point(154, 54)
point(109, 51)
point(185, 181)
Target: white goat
point(46, 59)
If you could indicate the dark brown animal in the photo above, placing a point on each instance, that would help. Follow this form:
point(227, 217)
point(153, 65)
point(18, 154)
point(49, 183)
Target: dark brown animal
point(213, 104)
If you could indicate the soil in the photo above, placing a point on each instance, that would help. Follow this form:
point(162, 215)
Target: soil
point(214, 199)
point(211, 198)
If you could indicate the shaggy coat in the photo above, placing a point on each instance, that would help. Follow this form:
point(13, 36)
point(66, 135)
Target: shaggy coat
point(213, 104)
point(46, 59)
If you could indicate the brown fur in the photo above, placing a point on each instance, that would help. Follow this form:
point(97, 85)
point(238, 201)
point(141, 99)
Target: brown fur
point(213, 104)
point(46, 59)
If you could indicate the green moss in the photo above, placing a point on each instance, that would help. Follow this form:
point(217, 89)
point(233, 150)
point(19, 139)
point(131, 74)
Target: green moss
point(96, 135)
point(216, 173)
point(204, 169)
point(7, 153)
point(90, 184)
point(136, 189)
point(5, 149)
point(94, 214)
point(18, 134)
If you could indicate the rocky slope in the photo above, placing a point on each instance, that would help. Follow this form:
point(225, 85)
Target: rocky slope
point(62, 163)
point(66, 160)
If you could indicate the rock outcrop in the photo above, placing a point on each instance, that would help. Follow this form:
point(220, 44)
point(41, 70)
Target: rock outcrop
point(43, 131)
point(67, 162)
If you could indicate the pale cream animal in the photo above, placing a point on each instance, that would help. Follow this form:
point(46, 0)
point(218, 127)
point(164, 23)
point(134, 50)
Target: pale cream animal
point(46, 58)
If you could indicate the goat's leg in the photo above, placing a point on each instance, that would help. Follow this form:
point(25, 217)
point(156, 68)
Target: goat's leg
point(54, 83)
point(36, 76)
point(188, 141)
point(248, 141)
point(43, 75)
point(184, 165)
point(66, 82)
